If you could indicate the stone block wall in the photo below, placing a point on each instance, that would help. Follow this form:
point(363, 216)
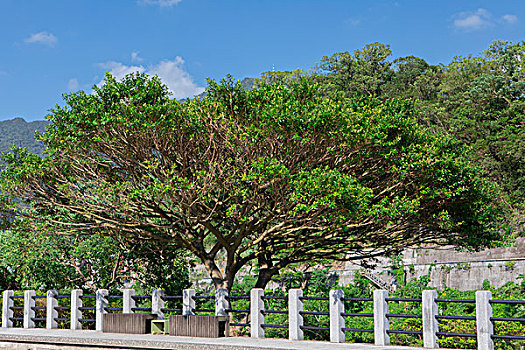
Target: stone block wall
point(450, 268)
point(467, 270)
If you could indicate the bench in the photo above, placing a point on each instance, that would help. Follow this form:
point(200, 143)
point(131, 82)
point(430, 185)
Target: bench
point(128, 323)
point(208, 326)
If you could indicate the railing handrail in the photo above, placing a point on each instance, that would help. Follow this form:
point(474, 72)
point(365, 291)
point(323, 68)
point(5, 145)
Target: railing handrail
point(336, 314)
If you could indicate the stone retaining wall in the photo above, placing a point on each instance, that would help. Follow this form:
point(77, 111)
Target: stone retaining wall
point(450, 268)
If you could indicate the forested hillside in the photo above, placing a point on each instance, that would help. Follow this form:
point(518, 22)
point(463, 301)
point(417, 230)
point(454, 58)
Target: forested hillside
point(20, 133)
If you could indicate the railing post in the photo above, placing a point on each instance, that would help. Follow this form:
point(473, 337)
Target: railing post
point(485, 328)
point(100, 308)
point(29, 311)
point(381, 336)
point(76, 313)
point(221, 302)
point(188, 303)
point(157, 303)
point(295, 319)
point(256, 315)
point(430, 323)
point(337, 321)
point(128, 303)
point(51, 312)
point(7, 312)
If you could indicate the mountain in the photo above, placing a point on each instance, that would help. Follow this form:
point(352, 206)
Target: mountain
point(21, 133)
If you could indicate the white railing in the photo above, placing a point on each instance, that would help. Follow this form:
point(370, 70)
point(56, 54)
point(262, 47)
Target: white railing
point(336, 300)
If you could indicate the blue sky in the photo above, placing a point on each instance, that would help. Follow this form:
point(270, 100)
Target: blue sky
point(48, 48)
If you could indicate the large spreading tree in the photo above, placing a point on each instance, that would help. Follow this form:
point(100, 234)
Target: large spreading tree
point(271, 177)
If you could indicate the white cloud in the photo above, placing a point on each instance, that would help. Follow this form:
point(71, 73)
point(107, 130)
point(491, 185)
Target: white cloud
point(43, 38)
point(73, 85)
point(161, 3)
point(170, 72)
point(480, 19)
point(135, 57)
point(179, 81)
point(473, 20)
point(511, 19)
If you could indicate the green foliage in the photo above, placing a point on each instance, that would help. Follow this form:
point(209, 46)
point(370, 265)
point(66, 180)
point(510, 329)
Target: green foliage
point(35, 260)
point(283, 78)
point(365, 72)
point(510, 265)
point(484, 107)
point(276, 175)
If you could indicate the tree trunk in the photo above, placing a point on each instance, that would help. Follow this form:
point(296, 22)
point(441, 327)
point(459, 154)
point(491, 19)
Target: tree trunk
point(218, 279)
point(265, 276)
point(266, 269)
point(221, 280)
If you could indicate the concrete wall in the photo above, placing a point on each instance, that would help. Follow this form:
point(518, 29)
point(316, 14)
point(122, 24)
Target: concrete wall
point(450, 268)
point(464, 270)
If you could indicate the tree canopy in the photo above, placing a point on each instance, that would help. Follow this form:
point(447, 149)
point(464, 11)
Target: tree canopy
point(272, 177)
point(478, 100)
point(365, 72)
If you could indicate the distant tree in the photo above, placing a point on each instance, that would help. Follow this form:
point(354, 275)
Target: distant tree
point(272, 177)
point(406, 71)
point(283, 78)
point(478, 100)
point(504, 78)
point(248, 83)
point(483, 101)
point(426, 85)
point(365, 72)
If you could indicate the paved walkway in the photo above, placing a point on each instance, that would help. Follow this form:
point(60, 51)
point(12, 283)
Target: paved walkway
point(20, 338)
